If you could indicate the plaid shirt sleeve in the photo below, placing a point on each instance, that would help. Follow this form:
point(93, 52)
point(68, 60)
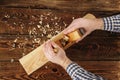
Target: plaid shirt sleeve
point(78, 73)
point(112, 23)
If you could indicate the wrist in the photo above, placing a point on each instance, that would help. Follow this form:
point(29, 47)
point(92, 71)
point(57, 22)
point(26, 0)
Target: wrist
point(99, 24)
point(66, 63)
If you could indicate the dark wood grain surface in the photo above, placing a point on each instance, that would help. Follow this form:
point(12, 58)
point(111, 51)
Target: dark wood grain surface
point(14, 71)
point(72, 5)
point(24, 25)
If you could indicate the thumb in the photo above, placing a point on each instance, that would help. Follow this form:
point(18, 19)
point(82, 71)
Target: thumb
point(54, 44)
point(87, 33)
point(55, 47)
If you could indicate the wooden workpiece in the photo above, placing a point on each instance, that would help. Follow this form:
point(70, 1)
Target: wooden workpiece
point(21, 32)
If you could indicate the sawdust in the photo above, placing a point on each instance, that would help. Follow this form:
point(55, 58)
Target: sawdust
point(12, 60)
point(40, 28)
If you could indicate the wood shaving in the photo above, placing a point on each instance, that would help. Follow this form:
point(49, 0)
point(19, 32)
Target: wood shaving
point(15, 40)
point(37, 40)
point(46, 67)
point(73, 18)
point(30, 32)
point(7, 16)
point(12, 60)
point(47, 26)
point(42, 35)
point(40, 22)
point(13, 45)
point(66, 38)
point(64, 41)
point(33, 32)
point(57, 32)
point(56, 23)
point(38, 26)
point(14, 23)
point(44, 31)
point(52, 19)
point(37, 77)
point(48, 14)
point(55, 17)
point(41, 17)
point(64, 24)
point(23, 54)
point(46, 17)
point(49, 36)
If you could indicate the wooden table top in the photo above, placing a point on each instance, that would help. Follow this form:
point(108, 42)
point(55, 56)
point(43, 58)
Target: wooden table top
point(25, 25)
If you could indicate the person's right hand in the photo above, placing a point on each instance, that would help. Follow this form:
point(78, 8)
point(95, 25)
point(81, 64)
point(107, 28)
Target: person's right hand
point(88, 25)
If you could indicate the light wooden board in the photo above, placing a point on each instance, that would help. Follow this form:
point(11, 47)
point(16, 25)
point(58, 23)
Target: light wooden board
point(36, 59)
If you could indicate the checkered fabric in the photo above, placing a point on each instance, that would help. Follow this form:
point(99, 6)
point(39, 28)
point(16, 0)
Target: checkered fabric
point(112, 23)
point(78, 73)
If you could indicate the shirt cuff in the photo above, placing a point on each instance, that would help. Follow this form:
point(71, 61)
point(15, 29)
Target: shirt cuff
point(71, 69)
point(112, 23)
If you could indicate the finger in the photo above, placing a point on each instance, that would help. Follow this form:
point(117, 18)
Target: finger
point(50, 49)
point(65, 30)
point(82, 37)
point(69, 29)
point(49, 45)
point(55, 47)
point(54, 44)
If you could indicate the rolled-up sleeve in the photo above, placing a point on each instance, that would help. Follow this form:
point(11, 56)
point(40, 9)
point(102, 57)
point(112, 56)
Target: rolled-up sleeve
point(112, 23)
point(78, 73)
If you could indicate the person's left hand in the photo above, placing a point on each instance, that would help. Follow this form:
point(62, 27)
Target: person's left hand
point(59, 57)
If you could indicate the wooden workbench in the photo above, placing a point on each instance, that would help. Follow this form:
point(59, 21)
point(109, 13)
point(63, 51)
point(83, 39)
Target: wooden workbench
point(25, 24)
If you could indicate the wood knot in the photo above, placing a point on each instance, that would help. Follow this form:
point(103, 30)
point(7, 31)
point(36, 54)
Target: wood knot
point(54, 70)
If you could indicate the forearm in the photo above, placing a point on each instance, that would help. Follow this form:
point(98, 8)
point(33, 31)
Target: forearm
point(112, 23)
point(78, 73)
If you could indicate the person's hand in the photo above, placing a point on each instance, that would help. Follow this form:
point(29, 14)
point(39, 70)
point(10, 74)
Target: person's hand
point(59, 57)
point(88, 25)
